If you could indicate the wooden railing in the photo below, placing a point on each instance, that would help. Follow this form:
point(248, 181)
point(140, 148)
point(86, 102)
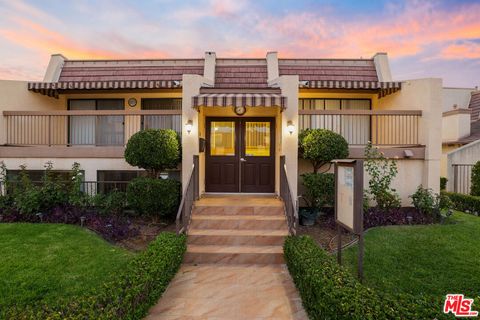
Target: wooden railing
point(462, 178)
point(89, 127)
point(190, 194)
point(381, 127)
point(291, 204)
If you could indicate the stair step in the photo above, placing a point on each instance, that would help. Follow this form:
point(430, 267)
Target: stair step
point(236, 237)
point(246, 222)
point(234, 254)
point(238, 210)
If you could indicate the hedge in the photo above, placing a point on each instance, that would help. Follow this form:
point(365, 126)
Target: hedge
point(329, 291)
point(128, 296)
point(465, 202)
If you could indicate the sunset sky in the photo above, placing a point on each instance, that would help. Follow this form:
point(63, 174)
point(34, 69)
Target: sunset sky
point(422, 38)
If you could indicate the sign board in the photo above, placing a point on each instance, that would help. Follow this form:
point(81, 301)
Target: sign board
point(349, 204)
point(349, 195)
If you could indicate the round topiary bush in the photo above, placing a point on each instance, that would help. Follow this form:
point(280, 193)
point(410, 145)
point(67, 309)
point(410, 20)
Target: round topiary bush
point(321, 146)
point(154, 197)
point(475, 189)
point(153, 150)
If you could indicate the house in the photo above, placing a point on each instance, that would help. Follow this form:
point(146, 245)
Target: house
point(239, 119)
point(460, 136)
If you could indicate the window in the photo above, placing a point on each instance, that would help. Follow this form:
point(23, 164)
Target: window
point(334, 104)
point(257, 139)
point(164, 121)
point(96, 130)
point(354, 128)
point(108, 180)
point(222, 138)
point(37, 176)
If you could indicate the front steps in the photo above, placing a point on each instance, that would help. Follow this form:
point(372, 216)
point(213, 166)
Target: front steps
point(237, 230)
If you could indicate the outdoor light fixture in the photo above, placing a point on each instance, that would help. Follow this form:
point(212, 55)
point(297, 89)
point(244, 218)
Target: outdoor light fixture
point(290, 127)
point(189, 126)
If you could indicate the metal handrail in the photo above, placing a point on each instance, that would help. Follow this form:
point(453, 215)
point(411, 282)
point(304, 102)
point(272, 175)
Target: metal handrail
point(190, 194)
point(291, 205)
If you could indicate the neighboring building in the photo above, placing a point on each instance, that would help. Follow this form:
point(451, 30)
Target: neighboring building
point(460, 136)
point(85, 111)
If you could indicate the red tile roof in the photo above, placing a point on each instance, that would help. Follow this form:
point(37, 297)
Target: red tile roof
point(475, 105)
point(125, 73)
point(323, 69)
point(241, 76)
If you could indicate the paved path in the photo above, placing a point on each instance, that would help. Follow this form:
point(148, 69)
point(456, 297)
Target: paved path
point(216, 291)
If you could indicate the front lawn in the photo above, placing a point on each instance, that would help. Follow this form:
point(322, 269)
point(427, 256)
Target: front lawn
point(45, 262)
point(427, 259)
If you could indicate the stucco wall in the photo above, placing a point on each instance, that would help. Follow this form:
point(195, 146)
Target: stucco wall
point(90, 166)
point(455, 126)
point(425, 95)
point(14, 96)
point(443, 161)
point(458, 96)
point(409, 177)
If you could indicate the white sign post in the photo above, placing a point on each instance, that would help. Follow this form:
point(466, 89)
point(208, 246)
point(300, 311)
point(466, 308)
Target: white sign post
point(349, 204)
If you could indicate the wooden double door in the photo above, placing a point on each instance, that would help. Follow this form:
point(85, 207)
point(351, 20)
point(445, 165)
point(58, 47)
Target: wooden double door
point(240, 155)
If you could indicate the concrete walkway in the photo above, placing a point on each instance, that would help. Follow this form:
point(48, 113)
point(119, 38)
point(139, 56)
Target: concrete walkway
point(234, 266)
point(230, 292)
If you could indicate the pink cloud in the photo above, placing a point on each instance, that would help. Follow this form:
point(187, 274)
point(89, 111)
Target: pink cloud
point(469, 50)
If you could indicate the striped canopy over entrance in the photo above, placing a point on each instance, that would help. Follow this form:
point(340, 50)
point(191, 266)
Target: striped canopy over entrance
point(240, 100)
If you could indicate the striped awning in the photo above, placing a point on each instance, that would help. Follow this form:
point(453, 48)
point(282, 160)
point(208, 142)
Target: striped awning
point(240, 100)
point(52, 88)
point(384, 88)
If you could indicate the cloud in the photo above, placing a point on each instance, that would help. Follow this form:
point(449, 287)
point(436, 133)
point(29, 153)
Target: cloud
point(466, 50)
point(420, 30)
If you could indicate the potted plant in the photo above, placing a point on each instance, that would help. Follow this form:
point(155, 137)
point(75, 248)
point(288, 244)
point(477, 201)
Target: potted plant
point(320, 147)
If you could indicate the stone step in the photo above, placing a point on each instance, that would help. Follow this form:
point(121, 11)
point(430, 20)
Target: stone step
point(234, 254)
point(243, 222)
point(232, 237)
point(238, 210)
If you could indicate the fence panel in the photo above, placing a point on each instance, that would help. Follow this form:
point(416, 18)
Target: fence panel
point(462, 176)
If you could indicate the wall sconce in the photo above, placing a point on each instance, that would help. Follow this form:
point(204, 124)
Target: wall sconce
point(290, 127)
point(189, 126)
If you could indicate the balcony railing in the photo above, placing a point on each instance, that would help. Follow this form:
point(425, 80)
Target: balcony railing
point(89, 128)
point(381, 127)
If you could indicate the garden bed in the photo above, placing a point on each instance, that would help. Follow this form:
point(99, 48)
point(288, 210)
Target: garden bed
point(324, 232)
point(131, 232)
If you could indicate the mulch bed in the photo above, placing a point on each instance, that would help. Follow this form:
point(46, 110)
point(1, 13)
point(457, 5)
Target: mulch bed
point(324, 232)
point(133, 233)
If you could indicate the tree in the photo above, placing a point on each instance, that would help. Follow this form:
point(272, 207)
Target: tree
point(153, 150)
point(321, 146)
point(475, 189)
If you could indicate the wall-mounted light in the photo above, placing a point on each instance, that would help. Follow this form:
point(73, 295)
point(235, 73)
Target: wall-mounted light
point(189, 126)
point(290, 127)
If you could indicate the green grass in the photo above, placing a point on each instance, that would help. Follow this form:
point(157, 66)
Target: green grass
point(434, 259)
point(45, 262)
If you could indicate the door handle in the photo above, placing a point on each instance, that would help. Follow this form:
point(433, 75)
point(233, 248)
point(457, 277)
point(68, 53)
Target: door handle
point(243, 160)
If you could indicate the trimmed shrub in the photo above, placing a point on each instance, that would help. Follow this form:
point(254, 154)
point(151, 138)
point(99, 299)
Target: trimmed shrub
point(475, 180)
point(153, 150)
point(320, 189)
point(443, 183)
point(127, 296)
point(110, 203)
point(321, 146)
point(329, 291)
point(154, 197)
point(464, 202)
